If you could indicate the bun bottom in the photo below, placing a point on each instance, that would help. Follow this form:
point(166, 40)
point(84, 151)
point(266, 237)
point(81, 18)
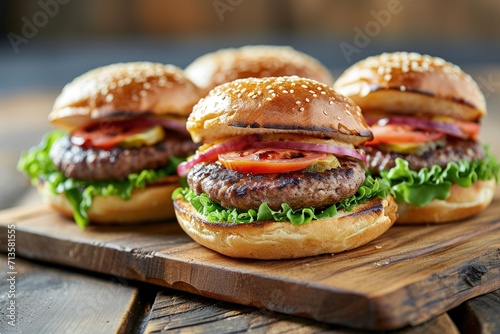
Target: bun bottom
point(146, 205)
point(283, 240)
point(462, 203)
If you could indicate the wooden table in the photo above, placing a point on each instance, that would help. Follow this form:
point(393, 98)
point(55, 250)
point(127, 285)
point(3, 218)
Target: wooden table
point(57, 299)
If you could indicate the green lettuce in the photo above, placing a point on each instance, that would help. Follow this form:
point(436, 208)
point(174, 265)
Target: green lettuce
point(39, 167)
point(420, 188)
point(212, 212)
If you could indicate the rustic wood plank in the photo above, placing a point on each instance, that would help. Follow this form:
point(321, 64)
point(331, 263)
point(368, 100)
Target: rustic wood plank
point(406, 277)
point(175, 311)
point(479, 315)
point(53, 300)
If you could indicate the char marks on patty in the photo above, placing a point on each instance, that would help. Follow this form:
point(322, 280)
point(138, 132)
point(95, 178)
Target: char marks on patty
point(299, 189)
point(117, 163)
point(454, 150)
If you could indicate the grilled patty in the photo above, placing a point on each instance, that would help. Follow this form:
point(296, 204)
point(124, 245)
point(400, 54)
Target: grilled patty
point(453, 150)
point(96, 164)
point(299, 189)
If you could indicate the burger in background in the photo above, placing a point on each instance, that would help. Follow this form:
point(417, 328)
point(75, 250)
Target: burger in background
point(124, 136)
point(279, 175)
point(257, 61)
point(425, 116)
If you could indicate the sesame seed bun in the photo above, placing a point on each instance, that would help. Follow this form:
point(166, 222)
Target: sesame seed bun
point(421, 85)
point(124, 90)
point(290, 105)
point(411, 83)
point(216, 68)
point(283, 240)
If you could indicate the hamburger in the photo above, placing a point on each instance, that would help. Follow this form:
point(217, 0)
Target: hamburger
point(279, 175)
point(122, 135)
point(425, 116)
point(257, 61)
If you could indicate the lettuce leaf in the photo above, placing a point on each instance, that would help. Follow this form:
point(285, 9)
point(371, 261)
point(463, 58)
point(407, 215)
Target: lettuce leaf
point(420, 188)
point(212, 212)
point(39, 167)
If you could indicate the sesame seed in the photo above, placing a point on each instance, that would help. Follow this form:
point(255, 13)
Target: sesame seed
point(301, 109)
point(285, 91)
point(304, 86)
point(142, 93)
point(109, 98)
point(331, 102)
point(325, 113)
point(269, 99)
point(307, 99)
point(402, 88)
point(291, 91)
point(297, 102)
point(323, 93)
point(315, 95)
point(318, 88)
point(146, 85)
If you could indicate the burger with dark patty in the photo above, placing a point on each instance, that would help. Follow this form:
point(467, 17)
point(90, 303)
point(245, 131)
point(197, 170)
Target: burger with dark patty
point(279, 175)
point(124, 136)
point(425, 116)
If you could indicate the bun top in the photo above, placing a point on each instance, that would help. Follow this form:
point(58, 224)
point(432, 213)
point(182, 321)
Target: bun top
point(124, 90)
point(215, 68)
point(450, 91)
point(291, 105)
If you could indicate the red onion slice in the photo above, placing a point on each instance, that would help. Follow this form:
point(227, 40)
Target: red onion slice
point(212, 153)
point(178, 126)
point(295, 145)
point(447, 128)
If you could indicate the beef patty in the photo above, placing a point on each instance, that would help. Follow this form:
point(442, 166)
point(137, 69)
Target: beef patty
point(115, 164)
point(453, 150)
point(299, 189)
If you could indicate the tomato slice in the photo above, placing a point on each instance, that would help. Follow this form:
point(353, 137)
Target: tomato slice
point(390, 134)
point(470, 128)
point(269, 160)
point(106, 135)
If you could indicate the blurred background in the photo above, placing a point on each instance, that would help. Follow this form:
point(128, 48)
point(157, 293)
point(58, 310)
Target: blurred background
point(46, 43)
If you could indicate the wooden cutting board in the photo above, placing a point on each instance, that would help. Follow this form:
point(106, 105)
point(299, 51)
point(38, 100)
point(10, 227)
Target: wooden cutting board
point(407, 276)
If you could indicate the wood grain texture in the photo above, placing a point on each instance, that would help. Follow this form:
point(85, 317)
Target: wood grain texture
point(177, 312)
point(405, 277)
point(52, 300)
point(479, 315)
